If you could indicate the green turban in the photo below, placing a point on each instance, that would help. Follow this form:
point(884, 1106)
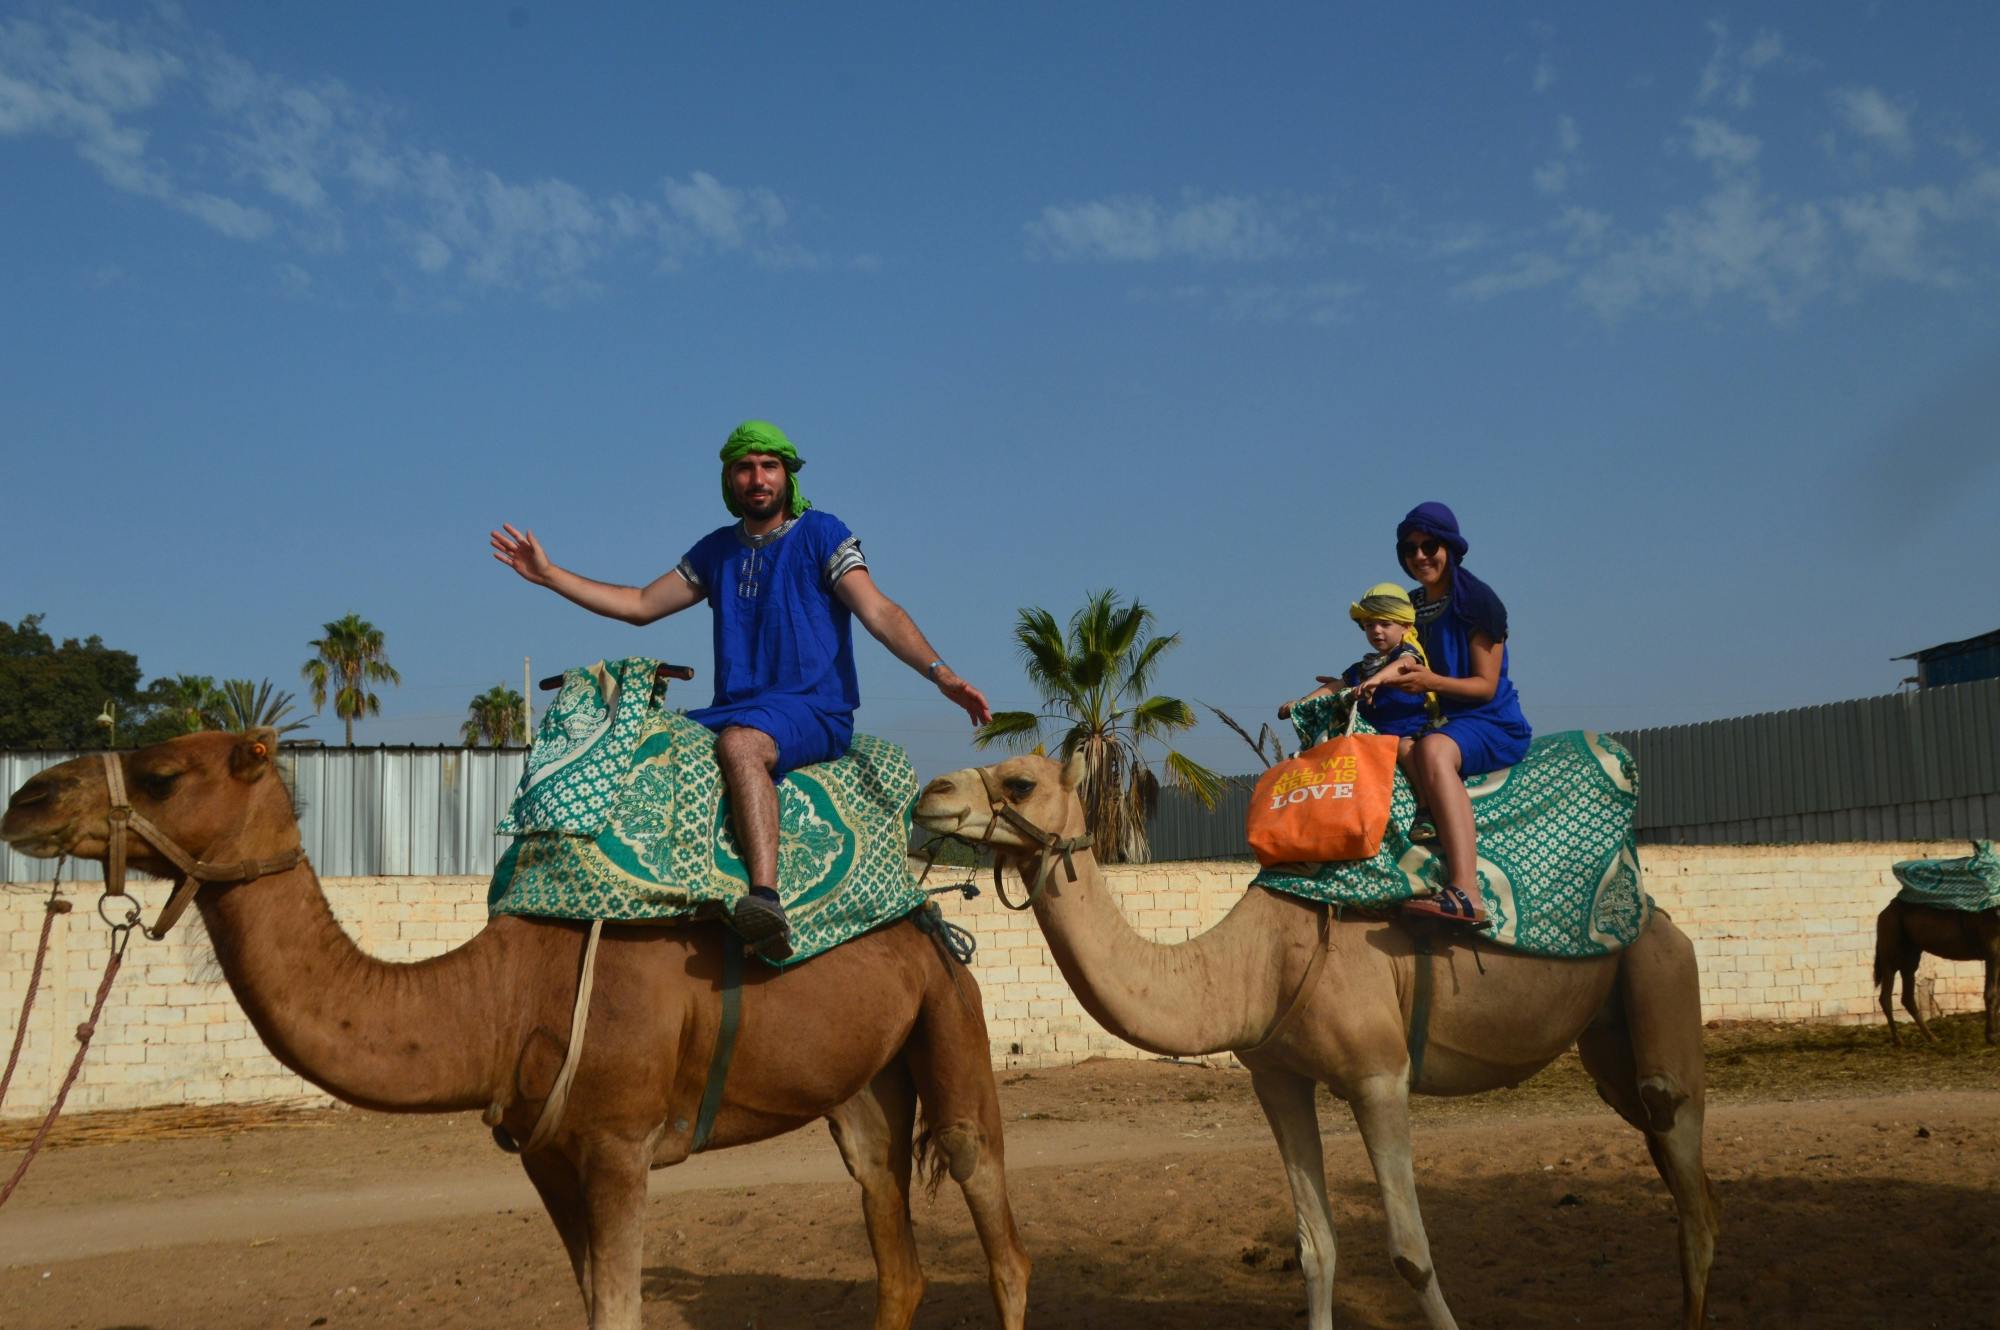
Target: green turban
point(761, 436)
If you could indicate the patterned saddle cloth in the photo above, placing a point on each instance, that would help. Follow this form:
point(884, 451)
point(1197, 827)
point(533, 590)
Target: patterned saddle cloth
point(1558, 864)
point(1953, 884)
point(622, 815)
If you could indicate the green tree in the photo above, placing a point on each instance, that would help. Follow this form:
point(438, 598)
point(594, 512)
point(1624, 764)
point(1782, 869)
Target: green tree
point(247, 706)
point(186, 702)
point(349, 659)
point(493, 717)
point(51, 696)
point(1094, 683)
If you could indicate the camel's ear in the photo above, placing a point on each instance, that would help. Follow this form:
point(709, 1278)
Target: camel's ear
point(251, 757)
point(1072, 776)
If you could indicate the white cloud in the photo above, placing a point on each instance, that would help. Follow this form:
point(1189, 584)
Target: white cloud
point(1545, 73)
point(1729, 77)
point(1875, 118)
point(1526, 273)
point(317, 166)
point(1721, 147)
point(1553, 176)
point(1141, 230)
point(1892, 232)
point(1737, 242)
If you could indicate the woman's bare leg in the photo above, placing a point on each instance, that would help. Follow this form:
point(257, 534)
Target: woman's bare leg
point(1437, 757)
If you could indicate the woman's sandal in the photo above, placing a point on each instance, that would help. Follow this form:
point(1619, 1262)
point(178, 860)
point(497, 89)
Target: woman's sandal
point(1450, 905)
point(1423, 828)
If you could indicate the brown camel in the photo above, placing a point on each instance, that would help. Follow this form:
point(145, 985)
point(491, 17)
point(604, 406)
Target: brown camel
point(1905, 931)
point(856, 1036)
point(1250, 985)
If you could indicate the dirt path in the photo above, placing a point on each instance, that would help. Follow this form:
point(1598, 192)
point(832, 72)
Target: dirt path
point(1148, 1193)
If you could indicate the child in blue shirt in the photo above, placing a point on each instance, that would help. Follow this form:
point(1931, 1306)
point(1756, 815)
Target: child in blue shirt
point(1389, 620)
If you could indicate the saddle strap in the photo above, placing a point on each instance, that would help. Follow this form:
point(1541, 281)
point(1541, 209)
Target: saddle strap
point(579, 1020)
point(725, 1042)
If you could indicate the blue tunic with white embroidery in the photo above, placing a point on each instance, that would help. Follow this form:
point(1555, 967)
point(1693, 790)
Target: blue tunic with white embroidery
point(784, 643)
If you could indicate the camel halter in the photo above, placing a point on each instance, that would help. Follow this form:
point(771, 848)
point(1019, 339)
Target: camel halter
point(1053, 848)
point(194, 872)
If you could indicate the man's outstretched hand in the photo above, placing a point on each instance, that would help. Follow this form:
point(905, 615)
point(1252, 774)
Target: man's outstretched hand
point(520, 551)
point(958, 690)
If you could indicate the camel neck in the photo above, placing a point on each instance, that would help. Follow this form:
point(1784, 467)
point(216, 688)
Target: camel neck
point(1205, 995)
point(411, 1037)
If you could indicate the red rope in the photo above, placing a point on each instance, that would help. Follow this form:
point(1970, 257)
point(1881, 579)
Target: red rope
point(56, 905)
point(83, 1036)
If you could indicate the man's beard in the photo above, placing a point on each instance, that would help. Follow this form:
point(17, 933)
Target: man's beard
point(760, 510)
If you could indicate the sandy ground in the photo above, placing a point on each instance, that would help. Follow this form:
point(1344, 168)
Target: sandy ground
point(1148, 1193)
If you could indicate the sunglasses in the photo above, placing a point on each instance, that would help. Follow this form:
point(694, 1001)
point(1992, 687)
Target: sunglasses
point(1409, 548)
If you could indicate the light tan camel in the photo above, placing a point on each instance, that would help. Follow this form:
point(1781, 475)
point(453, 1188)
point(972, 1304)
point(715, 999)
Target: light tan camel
point(856, 1036)
point(1496, 1018)
point(1904, 931)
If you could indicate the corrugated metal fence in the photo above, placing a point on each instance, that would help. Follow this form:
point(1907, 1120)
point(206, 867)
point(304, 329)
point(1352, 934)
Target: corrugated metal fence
point(1921, 765)
point(363, 812)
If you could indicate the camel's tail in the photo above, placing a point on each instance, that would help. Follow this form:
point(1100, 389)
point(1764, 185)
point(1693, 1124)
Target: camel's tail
point(931, 1161)
point(1888, 944)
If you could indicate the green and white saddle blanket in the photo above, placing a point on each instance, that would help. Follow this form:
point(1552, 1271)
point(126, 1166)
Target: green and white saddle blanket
point(1953, 884)
point(1558, 864)
point(622, 815)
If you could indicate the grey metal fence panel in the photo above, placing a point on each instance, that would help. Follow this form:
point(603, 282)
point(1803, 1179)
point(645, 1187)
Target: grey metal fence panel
point(1921, 765)
point(363, 812)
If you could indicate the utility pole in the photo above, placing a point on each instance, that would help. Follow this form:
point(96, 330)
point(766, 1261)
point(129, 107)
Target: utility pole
point(527, 707)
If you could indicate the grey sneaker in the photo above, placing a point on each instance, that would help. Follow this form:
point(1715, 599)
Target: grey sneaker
point(759, 919)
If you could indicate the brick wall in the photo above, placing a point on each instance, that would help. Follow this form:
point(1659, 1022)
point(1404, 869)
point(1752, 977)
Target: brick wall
point(1782, 932)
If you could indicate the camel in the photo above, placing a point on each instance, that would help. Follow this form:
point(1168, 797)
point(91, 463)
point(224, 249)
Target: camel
point(857, 1036)
point(1904, 931)
point(1302, 997)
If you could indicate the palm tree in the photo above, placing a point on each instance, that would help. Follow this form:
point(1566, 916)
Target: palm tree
point(1094, 683)
point(193, 701)
point(350, 658)
point(494, 717)
point(247, 706)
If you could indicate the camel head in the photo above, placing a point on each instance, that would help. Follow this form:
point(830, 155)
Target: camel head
point(1041, 791)
point(217, 795)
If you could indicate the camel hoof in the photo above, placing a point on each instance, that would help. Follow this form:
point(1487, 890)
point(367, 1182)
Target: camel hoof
point(1662, 1099)
point(1416, 1276)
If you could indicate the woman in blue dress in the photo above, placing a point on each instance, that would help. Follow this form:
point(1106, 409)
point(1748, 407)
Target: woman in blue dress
point(1463, 626)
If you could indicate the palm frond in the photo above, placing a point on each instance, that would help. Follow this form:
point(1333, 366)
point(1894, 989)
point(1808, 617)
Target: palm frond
point(1009, 727)
point(1187, 774)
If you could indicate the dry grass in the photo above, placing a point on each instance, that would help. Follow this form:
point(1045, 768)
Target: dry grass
point(165, 1123)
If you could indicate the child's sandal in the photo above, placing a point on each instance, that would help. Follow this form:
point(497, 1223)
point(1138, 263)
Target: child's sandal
point(1450, 905)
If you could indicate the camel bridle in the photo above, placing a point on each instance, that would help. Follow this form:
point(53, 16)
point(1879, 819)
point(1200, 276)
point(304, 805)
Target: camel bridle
point(126, 820)
point(1053, 849)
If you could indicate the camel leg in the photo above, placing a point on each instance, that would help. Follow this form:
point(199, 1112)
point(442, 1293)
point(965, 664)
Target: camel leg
point(1662, 1068)
point(1382, 1110)
point(1288, 1105)
point(614, 1197)
point(1993, 996)
point(1887, 996)
point(1912, 957)
point(556, 1181)
point(873, 1133)
point(1888, 947)
point(952, 1062)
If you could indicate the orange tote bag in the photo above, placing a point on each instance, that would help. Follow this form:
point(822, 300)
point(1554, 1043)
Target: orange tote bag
point(1330, 802)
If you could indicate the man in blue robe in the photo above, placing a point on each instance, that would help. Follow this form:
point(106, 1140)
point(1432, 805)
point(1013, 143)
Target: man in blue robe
point(785, 582)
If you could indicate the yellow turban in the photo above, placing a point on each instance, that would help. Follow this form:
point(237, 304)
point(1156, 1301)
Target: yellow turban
point(1385, 602)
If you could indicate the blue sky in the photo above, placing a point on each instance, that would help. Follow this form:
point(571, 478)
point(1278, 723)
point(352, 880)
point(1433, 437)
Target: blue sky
point(1690, 316)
